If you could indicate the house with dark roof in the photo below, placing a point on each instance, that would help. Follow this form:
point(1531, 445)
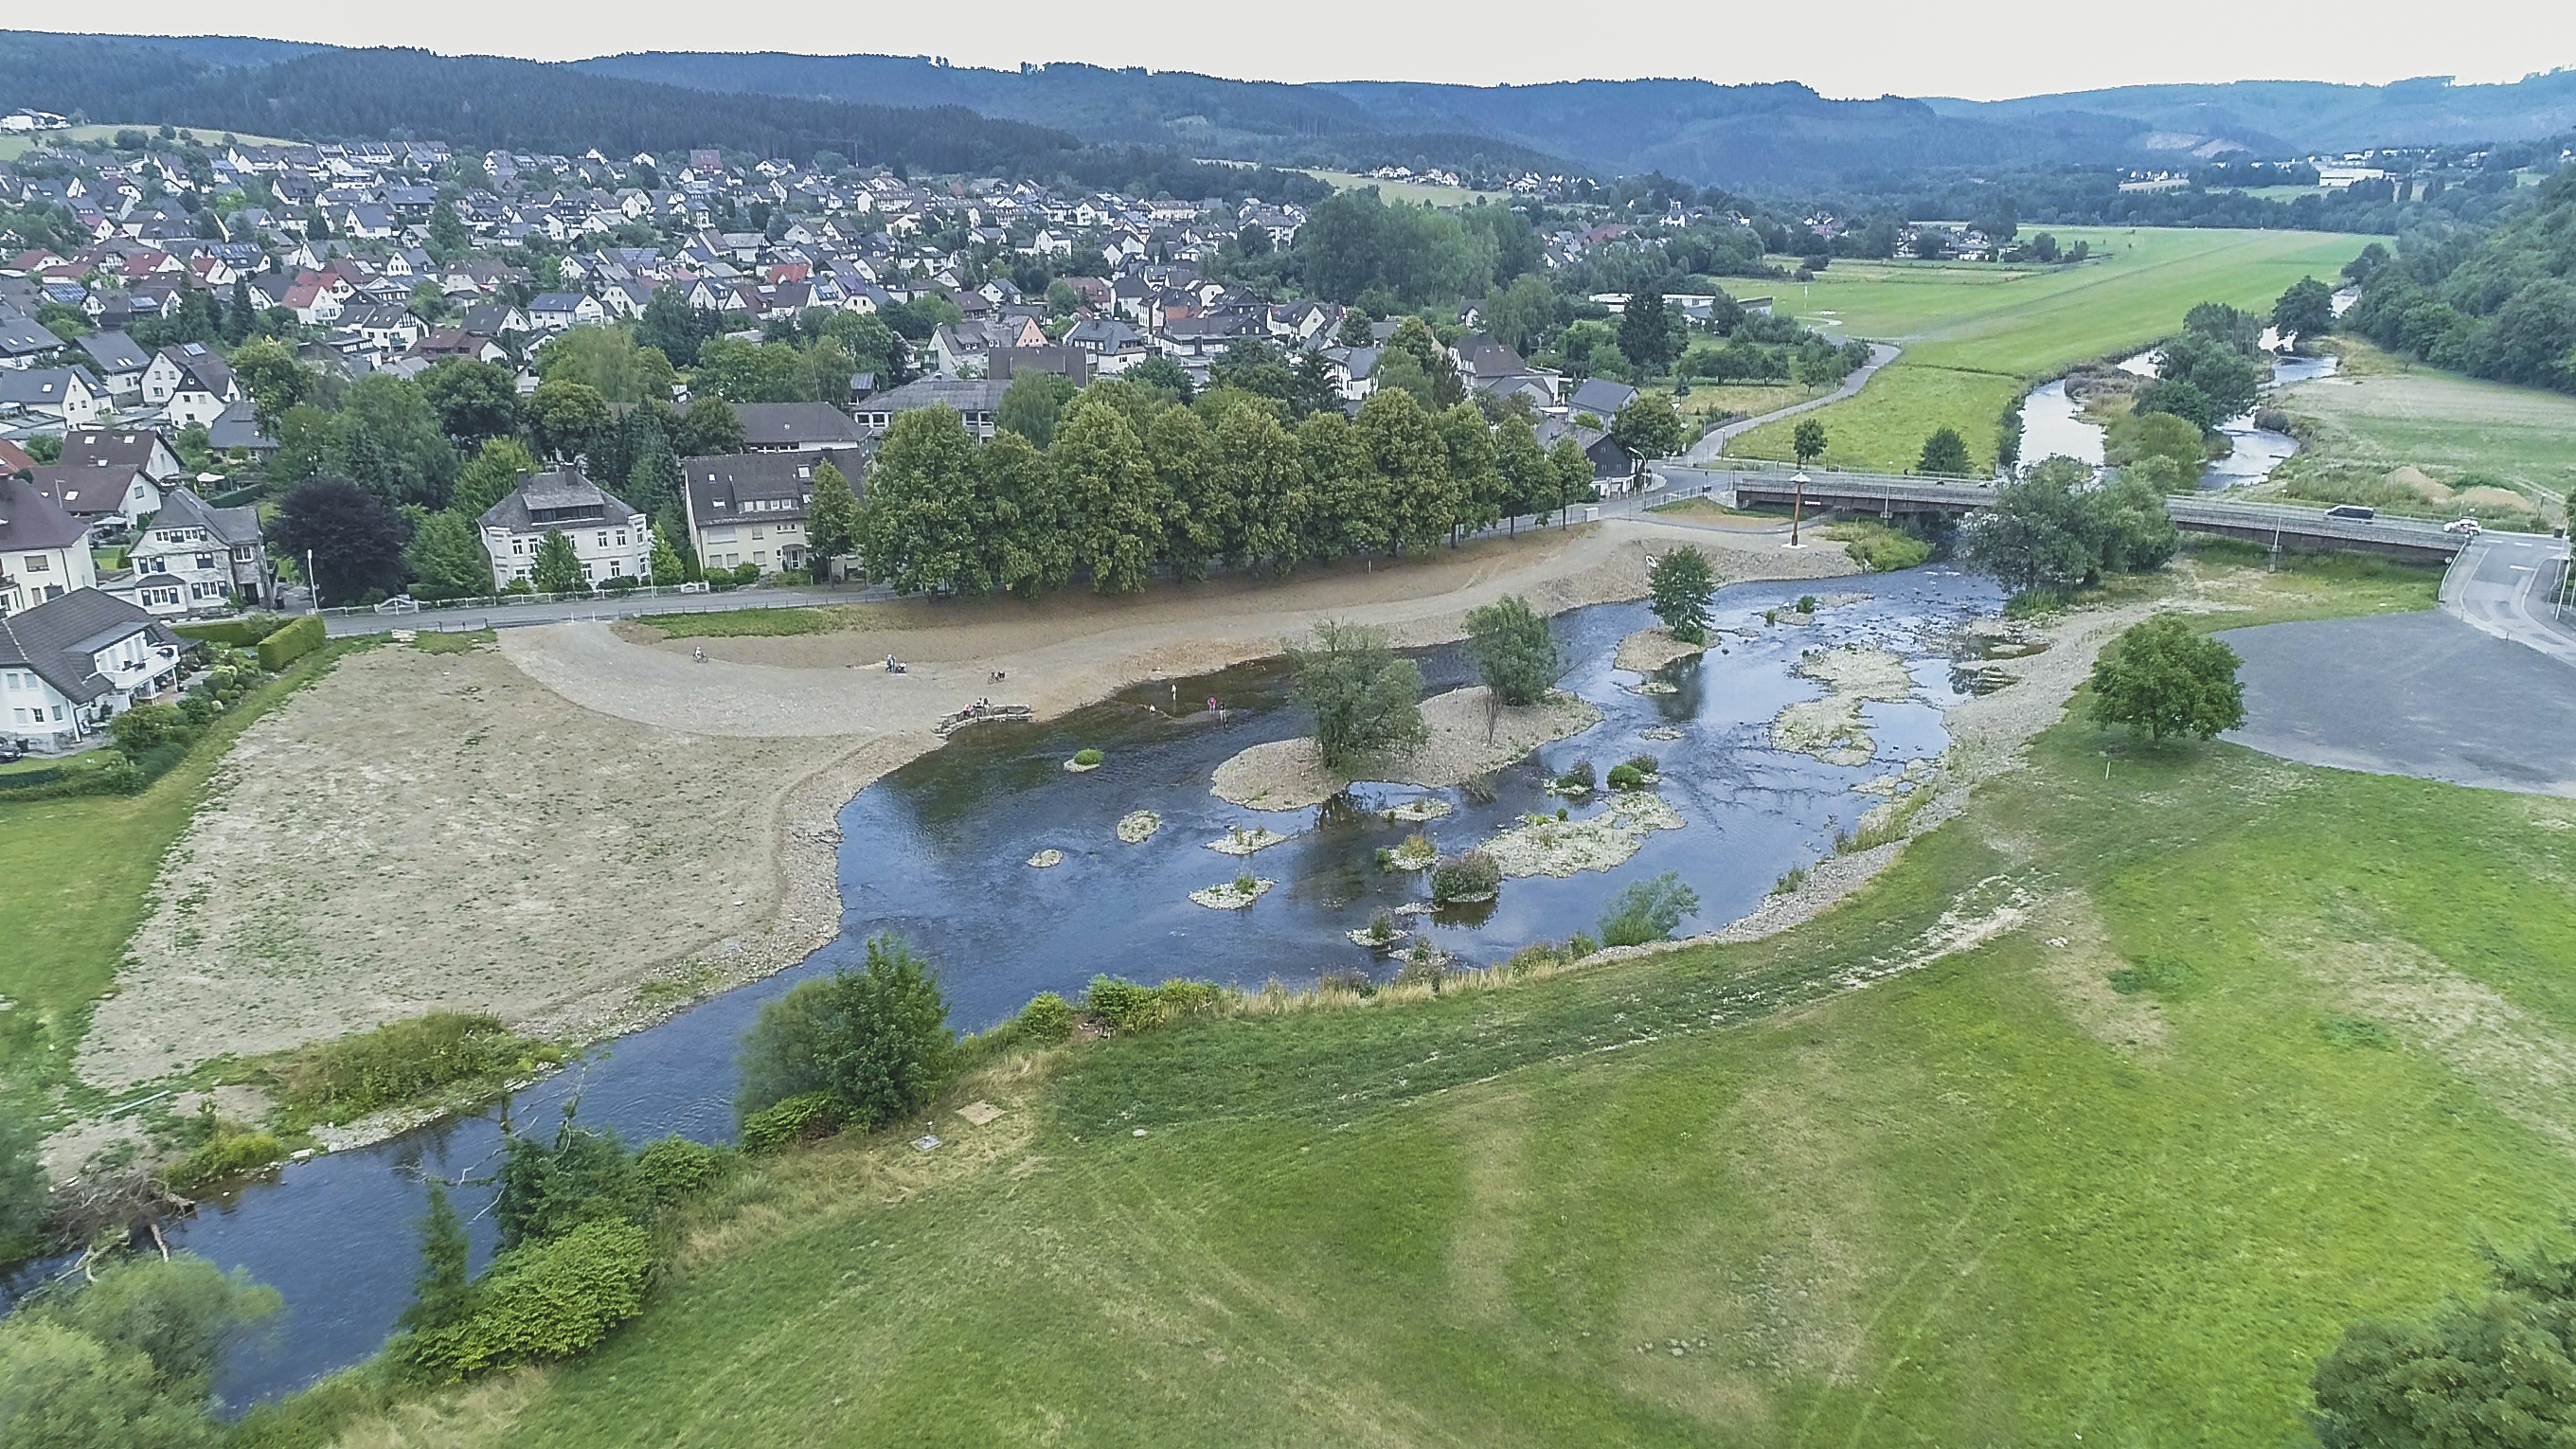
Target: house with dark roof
point(978, 400)
point(751, 508)
point(118, 361)
point(1600, 397)
point(24, 340)
point(795, 427)
point(191, 384)
point(63, 396)
point(610, 538)
point(197, 558)
point(237, 428)
point(70, 664)
point(44, 552)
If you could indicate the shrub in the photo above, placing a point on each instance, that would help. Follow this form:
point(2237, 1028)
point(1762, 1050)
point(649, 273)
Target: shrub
point(1627, 777)
point(673, 1168)
point(1474, 875)
point(338, 1081)
point(1647, 911)
point(291, 643)
point(746, 573)
point(241, 633)
point(147, 725)
point(877, 1039)
point(1679, 586)
point(1126, 1006)
point(1087, 757)
point(550, 1188)
point(800, 1118)
point(1048, 1019)
point(1645, 764)
point(1245, 884)
point(227, 1155)
point(547, 1301)
point(1578, 777)
point(619, 584)
point(1381, 927)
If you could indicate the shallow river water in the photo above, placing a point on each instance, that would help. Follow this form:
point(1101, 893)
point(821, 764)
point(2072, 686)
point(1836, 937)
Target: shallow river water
point(2054, 425)
point(936, 851)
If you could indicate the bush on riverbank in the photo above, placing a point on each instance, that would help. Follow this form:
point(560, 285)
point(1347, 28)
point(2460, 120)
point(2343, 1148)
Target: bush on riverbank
point(875, 1040)
point(1879, 548)
point(402, 1061)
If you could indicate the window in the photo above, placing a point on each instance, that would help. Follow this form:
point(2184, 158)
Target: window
point(621, 538)
point(205, 563)
point(37, 563)
point(603, 538)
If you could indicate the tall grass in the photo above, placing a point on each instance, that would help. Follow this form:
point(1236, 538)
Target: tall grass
point(341, 1080)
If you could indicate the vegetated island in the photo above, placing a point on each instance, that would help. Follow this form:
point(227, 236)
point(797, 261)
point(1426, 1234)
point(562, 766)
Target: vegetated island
point(1290, 774)
point(1541, 845)
point(1653, 647)
point(1830, 728)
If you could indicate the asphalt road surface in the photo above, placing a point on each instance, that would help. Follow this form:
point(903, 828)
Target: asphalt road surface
point(2502, 586)
point(2427, 695)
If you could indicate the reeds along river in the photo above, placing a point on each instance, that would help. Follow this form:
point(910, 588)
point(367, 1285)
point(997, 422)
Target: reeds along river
point(937, 851)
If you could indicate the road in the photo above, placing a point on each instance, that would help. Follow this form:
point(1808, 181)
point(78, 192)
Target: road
point(606, 606)
point(1707, 448)
point(2501, 585)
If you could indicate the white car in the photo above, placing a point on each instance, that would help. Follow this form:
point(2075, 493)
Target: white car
point(2467, 527)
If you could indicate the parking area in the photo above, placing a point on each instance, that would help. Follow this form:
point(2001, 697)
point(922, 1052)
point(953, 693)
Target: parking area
point(2424, 694)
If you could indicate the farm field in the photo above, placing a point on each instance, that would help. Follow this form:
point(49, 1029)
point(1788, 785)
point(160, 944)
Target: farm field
point(1412, 192)
point(14, 146)
point(2248, 1050)
point(1975, 336)
point(2382, 412)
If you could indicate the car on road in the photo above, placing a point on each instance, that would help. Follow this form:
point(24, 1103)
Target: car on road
point(2352, 512)
point(2465, 527)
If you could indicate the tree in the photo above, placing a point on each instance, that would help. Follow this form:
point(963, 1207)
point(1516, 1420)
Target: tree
point(2161, 678)
point(652, 478)
point(1365, 697)
point(2178, 398)
point(1199, 514)
point(2305, 311)
point(2145, 434)
point(1807, 441)
point(474, 400)
point(1647, 427)
point(608, 361)
point(386, 438)
point(875, 1040)
point(549, 1188)
point(1573, 469)
point(1112, 500)
point(1514, 651)
point(1412, 467)
point(443, 1294)
point(1678, 588)
point(1257, 469)
point(2212, 362)
point(1526, 483)
point(1475, 485)
point(1647, 910)
point(567, 419)
point(446, 557)
point(2491, 1370)
point(2032, 536)
point(126, 1359)
point(492, 475)
point(356, 538)
point(708, 429)
point(1945, 454)
point(1522, 314)
point(918, 527)
point(832, 520)
point(1032, 403)
point(557, 566)
point(667, 566)
point(273, 378)
point(1162, 374)
point(1646, 333)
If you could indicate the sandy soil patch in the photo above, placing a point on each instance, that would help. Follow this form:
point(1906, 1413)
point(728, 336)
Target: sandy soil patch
point(1418, 810)
point(1238, 841)
point(1559, 848)
point(1046, 860)
point(1230, 896)
point(1470, 736)
point(1653, 647)
point(423, 832)
point(1830, 728)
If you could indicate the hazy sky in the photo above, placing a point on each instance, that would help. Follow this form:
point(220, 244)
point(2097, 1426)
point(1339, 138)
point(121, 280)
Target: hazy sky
point(1847, 48)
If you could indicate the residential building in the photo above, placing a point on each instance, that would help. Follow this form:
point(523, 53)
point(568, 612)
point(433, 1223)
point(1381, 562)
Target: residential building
point(118, 361)
point(610, 538)
point(795, 427)
point(1601, 398)
point(751, 508)
point(44, 552)
point(70, 664)
point(197, 558)
point(62, 396)
point(191, 384)
point(975, 399)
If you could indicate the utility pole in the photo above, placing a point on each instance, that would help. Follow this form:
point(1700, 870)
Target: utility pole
point(312, 585)
point(1797, 506)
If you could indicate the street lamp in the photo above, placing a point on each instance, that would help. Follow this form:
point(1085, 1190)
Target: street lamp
point(1797, 506)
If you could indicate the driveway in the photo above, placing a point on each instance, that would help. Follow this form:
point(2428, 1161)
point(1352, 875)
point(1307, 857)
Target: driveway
point(2427, 695)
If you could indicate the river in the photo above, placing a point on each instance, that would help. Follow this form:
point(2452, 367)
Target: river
point(2054, 425)
point(936, 851)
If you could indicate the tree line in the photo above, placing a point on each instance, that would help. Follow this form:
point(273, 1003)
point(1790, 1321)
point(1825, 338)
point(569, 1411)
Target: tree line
point(2495, 305)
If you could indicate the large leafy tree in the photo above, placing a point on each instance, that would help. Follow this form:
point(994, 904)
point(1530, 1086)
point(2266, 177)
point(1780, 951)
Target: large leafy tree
point(1032, 404)
point(1807, 441)
point(918, 526)
point(567, 419)
point(608, 361)
point(2160, 678)
point(474, 400)
point(386, 438)
point(557, 567)
point(1351, 507)
point(491, 476)
point(1525, 481)
point(2494, 1369)
point(1112, 499)
point(1019, 515)
point(2305, 311)
point(708, 429)
point(1514, 651)
point(1648, 427)
point(1365, 697)
point(273, 378)
point(1475, 477)
point(354, 537)
point(1200, 514)
point(1646, 333)
point(1259, 471)
point(1945, 454)
point(832, 520)
point(1679, 586)
point(1407, 455)
point(446, 557)
point(875, 1040)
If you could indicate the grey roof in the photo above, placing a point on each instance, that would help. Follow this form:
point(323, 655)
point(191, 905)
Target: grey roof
point(966, 395)
point(58, 638)
point(29, 519)
point(552, 500)
point(182, 508)
point(720, 485)
point(554, 301)
point(21, 335)
point(35, 386)
point(202, 365)
point(115, 352)
point(789, 425)
point(113, 448)
point(1600, 397)
point(237, 426)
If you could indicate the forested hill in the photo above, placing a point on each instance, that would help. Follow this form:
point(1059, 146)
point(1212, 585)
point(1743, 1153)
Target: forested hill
point(2313, 116)
point(481, 102)
point(2502, 305)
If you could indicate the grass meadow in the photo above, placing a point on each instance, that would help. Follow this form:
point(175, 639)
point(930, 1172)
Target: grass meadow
point(2381, 412)
point(2241, 1050)
point(1977, 335)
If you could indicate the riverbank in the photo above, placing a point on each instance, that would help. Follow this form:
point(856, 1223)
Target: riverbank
point(1469, 735)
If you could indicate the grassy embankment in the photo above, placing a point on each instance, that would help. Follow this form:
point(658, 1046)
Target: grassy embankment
point(2382, 412)
point(14, 146)
point(2122, 1171)
point(79, 878)
point(1976, 335)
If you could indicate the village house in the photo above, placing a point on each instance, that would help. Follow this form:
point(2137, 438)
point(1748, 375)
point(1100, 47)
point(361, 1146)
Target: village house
point(610, 538)
point(191, 384)
point(197, 558)
point(795, 427)
point(44, 552)
point(977, 400)
point(62, 397)
point(751, 508)
point(70, 664)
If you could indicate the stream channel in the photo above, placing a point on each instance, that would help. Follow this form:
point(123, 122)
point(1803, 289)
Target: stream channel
point(936, 851)
point(2054, 425)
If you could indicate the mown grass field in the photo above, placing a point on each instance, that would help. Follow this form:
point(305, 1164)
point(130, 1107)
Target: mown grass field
point(76, 880)
point(1717, 1197)
point(2381, 411)
point(1975, 336)
point(14, 146)
point(1413, 193)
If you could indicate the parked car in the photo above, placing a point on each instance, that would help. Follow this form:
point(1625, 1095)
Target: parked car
point(12, 751)
point(2465, 527)
point(2352, 512)
point(399, 604)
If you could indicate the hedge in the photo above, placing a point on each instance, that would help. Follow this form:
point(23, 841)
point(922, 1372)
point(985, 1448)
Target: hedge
point(291, 643)
point(548, 1301)
point(241, 633)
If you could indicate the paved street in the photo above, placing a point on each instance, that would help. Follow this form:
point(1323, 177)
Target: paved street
point(1707, 448)
point(2502, 586)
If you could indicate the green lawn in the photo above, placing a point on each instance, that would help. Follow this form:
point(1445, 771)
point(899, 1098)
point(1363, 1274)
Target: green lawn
point(76, 879)
point(1989, 1201)
point(1413, 193)
point(1976, 335)
point(2382, 412)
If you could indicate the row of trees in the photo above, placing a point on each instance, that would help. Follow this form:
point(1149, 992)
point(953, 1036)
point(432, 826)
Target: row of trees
point(1132, 480)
